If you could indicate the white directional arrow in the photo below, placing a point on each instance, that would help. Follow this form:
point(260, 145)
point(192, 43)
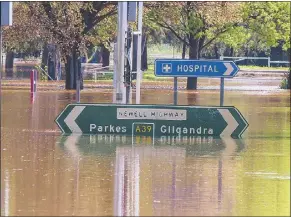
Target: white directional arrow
point(229, 69)
point(245, 122)
point(232, 124)
point(72, 116)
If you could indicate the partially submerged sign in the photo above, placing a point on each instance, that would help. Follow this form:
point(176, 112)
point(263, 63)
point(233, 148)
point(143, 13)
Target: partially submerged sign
point(195, 68)
point(152, 120)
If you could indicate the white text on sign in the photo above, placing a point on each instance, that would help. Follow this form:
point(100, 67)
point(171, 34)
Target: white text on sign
point(151, 114)
point(196, 68)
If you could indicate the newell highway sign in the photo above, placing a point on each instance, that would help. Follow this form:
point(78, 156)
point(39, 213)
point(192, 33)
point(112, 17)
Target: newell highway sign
point(152, 120)
point(195, 68)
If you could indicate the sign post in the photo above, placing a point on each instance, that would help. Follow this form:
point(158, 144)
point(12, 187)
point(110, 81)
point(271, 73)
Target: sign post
point(121, 35)
point(139, 51)
point(175, 90)
point(33, 79)
point(152, 120)
point(221, 91)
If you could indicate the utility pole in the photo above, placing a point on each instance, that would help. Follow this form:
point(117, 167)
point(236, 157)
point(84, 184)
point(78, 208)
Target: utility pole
point(128, 67)
point(123, 52)
point(119, 74)
point(139, 51)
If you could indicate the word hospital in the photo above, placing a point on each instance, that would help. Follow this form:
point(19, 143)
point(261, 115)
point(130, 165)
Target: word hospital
point(196, 68)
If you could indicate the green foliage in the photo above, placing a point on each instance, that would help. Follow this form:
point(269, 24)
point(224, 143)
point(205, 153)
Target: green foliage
point(285, 83)
point(24, 35)
point(242, 26)
point(268, 22)
point(197, 24)
point(42, 72)
point(104, 33)
point(67, 24)
point(236, 37)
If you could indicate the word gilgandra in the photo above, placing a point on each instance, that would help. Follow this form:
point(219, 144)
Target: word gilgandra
point(162, 129)
point(186, 130)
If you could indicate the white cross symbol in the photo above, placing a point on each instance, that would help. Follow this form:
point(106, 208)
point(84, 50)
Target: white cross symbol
point(167, 68)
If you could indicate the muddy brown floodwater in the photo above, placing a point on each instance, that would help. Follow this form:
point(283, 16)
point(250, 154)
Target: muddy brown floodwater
point(44, 173)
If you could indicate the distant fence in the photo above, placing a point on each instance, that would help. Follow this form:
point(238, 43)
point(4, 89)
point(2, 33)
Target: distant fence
point(237, 59)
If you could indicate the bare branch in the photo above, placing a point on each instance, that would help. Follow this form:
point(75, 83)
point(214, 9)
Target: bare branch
point(99, 19)
point(166, 26)
point(215, 37)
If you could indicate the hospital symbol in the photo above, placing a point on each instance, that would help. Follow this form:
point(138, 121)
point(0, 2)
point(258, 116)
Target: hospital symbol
point(166, 67)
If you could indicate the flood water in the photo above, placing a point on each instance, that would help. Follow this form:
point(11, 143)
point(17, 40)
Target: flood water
point(44, 173)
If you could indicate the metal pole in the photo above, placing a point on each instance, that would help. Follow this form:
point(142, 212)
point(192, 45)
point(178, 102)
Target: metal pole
point(130, 62)
point(35, 80)
point(127, 73)
point(221, 91)
point(175, 90)
point(76, 67)
point(269, 59)
point(115, 65)
point(122, 26)
point(139, 50)
point(78, 86)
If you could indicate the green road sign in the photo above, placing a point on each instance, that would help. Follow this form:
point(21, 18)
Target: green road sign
point(152, 120)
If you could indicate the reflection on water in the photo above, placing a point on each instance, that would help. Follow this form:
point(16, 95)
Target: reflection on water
point(157, 172)
point(43, 173)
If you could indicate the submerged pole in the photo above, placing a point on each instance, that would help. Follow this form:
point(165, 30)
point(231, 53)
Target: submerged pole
point(221, 91)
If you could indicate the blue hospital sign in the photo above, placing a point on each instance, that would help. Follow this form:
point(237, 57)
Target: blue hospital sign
point(195, 68)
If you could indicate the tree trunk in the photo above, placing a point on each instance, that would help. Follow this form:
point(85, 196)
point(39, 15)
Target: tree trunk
point(184, 50)
point(52, 62)
point(69, 68)
point(105, 57)
point(216, 52)
point(231, 51)
point(44, 58)
point(200, 45)
point(246, 54)
point(51, 68)
point(144, 54)
point(193, 55)
point(72, 67)
point(9, 62)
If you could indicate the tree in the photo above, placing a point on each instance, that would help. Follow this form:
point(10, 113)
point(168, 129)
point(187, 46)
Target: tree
point(269, 22)
point(68, 25)
point(197, 24)
point(264, 25)
point(103, 35)
point(24, 36)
